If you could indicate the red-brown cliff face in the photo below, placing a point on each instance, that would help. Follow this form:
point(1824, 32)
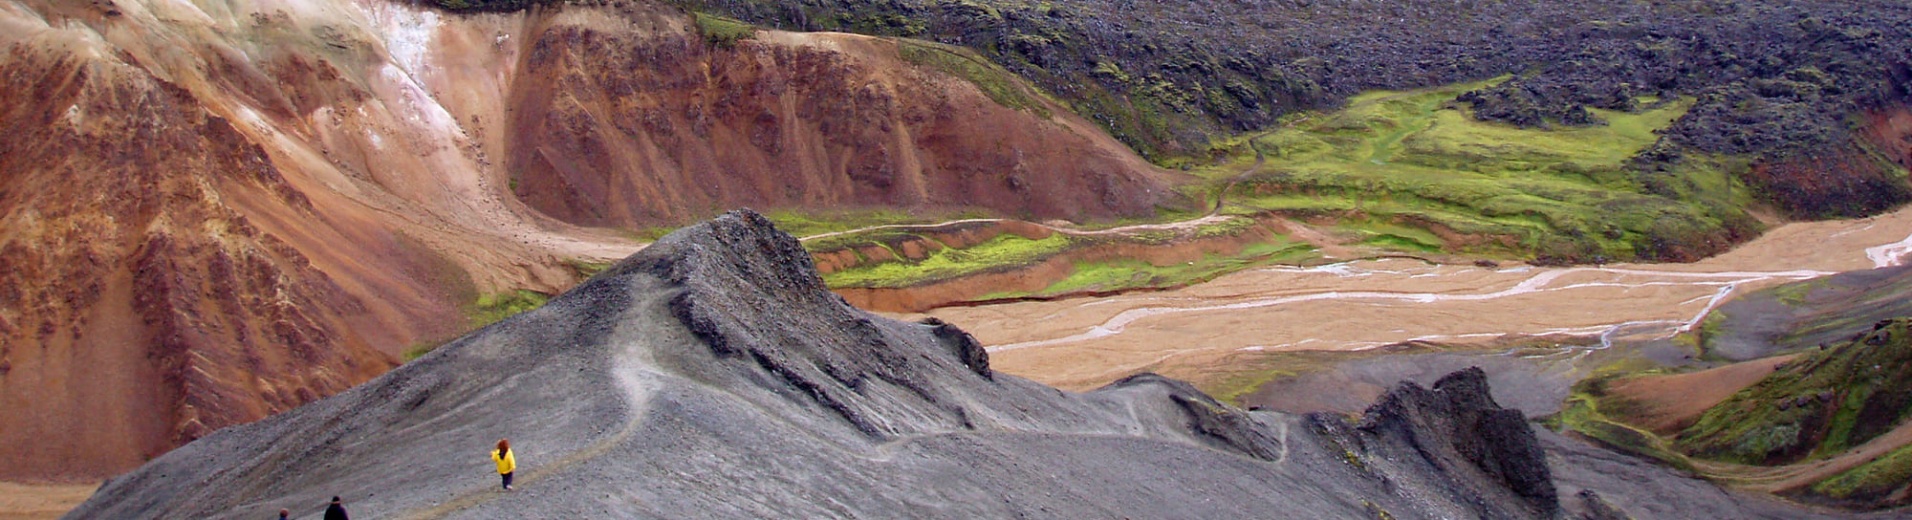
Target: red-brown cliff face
point(628, 124)
point(1859, 178)
point(214, 211)
point(139, 307)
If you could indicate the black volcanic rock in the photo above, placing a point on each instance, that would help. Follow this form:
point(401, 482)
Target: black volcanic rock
point(1460, 430)
point(1769, 78)
point(751, 293)
point(712, 376)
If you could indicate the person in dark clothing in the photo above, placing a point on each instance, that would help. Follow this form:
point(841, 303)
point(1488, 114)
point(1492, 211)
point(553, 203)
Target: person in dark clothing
point(336, 511)
point(283, 514)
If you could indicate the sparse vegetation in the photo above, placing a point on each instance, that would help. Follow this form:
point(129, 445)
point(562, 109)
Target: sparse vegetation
point(493, 308)
point(1818, 406)
point(1874, 480)
point(815, 222)
point(651, 234)
point(1708, 329)
point(885, 238)
point(721, 31)
point(420, 350)
point(999, 84)
point(1007, 251)
point(587, 268)
point(1397, 166)
point(1231, 388)
point(1586, 413)
point(1815, 407)
point(1002, 252)
point(1116, 275)
point(1231, 227)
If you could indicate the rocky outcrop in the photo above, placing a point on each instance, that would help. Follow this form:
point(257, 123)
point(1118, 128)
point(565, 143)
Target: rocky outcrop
point(1456, 426)
point(734, 268)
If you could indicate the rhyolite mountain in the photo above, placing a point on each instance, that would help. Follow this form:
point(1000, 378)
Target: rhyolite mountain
point(212, 211)
point(712, 375)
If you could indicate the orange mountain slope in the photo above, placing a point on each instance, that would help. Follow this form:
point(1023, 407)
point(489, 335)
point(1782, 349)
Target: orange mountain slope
point(214, 211)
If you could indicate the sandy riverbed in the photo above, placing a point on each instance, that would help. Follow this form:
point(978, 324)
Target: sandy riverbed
point(1084, 343)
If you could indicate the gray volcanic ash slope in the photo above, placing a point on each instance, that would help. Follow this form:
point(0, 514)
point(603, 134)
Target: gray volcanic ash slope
point(712, 375)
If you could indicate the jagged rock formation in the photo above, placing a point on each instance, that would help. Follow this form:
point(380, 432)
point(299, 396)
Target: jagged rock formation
point(1459, 429)
point(214, 211)
point(712, 376)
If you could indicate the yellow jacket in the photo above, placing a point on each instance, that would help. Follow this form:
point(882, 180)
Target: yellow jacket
point(507, 463)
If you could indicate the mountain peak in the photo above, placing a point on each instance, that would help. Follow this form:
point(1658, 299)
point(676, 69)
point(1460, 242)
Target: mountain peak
point(717, 351)
point(752, 295)
point(1459, 428)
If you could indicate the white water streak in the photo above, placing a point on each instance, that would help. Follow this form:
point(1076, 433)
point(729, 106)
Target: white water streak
point(1890, 255)
point(1537, 283)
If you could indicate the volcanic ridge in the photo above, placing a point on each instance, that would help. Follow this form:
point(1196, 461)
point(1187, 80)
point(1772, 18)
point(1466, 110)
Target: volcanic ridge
point(713, 375)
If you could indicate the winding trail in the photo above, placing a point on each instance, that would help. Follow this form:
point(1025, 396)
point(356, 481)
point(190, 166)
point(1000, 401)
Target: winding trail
point(631, 367)
point(1796, 477)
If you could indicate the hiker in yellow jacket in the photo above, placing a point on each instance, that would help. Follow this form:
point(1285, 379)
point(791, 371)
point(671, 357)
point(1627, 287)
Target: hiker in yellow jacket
point(507, 463)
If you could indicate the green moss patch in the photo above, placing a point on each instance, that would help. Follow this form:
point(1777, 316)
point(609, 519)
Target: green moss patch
point(587, 268)
point(1006, 251)
point(1117, 275)
point(1590, 411)
point(1873, 480)
point(721, 31)
point(1563, 195)
point(1817, 406)
point(493, 308)
point(999, 84)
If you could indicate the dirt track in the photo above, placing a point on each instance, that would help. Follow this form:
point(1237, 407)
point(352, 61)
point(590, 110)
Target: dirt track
point(1673, 402)
point(1085, 343)
point(40, 502)
point(1795, 477)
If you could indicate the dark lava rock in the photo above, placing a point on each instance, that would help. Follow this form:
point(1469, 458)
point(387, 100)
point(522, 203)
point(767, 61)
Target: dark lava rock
point(1487, 450)
point(1598, 508)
